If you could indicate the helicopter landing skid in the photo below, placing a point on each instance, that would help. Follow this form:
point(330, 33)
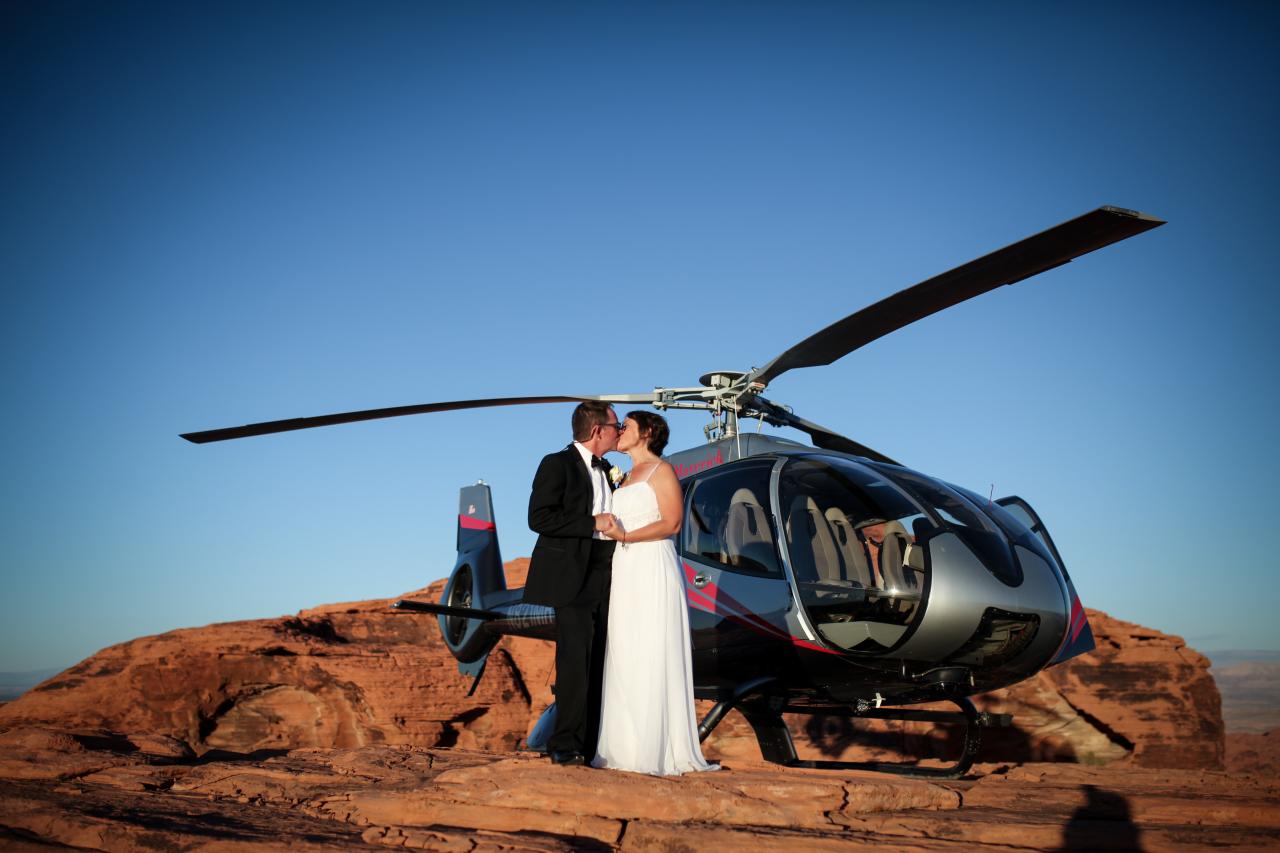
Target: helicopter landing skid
point(764, 714)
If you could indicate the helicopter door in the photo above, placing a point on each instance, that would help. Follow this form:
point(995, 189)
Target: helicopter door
point(1079, 637)
point(857, 548)
point(737, 593)
point(1022, 511)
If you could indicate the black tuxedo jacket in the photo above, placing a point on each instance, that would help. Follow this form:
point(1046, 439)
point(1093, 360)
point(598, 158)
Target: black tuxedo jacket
point(560, 513)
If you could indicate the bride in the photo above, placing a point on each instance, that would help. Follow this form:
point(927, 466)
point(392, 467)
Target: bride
point(647, 720)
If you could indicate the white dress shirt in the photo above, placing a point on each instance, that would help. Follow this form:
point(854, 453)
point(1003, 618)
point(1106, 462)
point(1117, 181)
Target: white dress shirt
point(601, 494)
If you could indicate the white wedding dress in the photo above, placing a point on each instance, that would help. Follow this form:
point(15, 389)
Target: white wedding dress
point(647, 721)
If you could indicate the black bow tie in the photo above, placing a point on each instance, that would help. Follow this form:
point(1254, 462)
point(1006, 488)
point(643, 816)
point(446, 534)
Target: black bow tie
point(597, 462)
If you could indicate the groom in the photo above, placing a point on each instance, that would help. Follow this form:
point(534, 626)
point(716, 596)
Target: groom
point(571, 570)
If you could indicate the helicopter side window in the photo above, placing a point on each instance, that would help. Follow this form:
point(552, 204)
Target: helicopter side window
point(729, 521)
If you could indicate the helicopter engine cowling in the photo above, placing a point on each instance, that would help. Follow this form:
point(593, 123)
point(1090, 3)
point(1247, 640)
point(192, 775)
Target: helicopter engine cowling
point(476, 577)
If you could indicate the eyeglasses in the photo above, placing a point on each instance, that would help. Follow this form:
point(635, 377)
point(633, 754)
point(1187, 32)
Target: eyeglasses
point(621, 428)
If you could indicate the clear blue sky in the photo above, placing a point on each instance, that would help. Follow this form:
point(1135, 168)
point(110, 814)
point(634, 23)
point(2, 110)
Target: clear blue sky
point(225, 214)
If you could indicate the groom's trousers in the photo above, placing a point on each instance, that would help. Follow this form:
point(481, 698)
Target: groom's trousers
point(581, 628)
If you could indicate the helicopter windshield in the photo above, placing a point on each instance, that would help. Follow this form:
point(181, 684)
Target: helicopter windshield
point(1015, 525)
point(962, 518)
point(855, 544)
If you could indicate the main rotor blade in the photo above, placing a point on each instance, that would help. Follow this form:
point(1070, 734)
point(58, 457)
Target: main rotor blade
point(374, 414)
point(822, 437)
point(1009, 265)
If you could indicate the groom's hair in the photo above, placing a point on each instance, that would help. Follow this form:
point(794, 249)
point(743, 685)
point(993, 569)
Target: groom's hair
point(653, 428)
point(587, 416)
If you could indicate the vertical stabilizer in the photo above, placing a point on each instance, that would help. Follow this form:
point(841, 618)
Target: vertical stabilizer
point(476, 576)
point(478, 539)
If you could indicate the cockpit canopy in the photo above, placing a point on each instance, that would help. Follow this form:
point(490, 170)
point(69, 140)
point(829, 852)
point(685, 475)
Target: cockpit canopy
point(855, 535)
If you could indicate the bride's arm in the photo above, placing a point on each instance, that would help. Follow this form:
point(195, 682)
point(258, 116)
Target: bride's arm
point(670, 505)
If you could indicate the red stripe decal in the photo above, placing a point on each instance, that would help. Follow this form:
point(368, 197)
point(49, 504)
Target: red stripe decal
point(470, 523)
point(1078, 619)
point(813, 647)
point(729, 604)
point(723, 602)
point(784, 637)
point(711, 599)
point(697, 599)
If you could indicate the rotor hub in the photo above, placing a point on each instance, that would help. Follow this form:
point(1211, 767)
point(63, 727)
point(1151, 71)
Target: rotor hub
point(721, 379)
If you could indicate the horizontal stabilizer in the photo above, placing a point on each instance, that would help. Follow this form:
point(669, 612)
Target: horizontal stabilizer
point(446, 610)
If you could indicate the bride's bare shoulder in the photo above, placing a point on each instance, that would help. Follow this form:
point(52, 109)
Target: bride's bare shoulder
point(663, 470)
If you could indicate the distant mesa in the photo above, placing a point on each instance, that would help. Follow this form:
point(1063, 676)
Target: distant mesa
point(1250, 694)
point(14, 684)
point(1229, 657)
point(360, 673)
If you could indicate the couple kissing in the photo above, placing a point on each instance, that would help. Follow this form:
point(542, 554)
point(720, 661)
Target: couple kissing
point(606, 560)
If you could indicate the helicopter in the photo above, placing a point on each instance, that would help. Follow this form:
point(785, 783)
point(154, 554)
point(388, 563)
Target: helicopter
point(827, 579)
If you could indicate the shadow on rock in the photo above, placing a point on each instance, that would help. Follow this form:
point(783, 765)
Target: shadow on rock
point(1104, 822)
point(221, 755)
point(896, 741)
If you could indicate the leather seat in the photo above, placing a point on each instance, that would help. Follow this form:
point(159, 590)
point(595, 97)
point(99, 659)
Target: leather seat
point(856, 566)
point(813, 549)
point(748, 536)
point(893, 551)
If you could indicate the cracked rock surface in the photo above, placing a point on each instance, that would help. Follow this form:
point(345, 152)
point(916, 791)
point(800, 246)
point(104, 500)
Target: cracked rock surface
point(136, 796)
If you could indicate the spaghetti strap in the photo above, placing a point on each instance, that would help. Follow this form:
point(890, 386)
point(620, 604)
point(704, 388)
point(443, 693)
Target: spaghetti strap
point(649, 473)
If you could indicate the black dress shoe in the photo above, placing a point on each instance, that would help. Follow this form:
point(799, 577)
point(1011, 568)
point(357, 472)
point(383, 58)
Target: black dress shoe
point(568, 757)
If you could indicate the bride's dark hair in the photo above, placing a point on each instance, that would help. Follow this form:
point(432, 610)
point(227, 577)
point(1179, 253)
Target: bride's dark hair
point(653, 428)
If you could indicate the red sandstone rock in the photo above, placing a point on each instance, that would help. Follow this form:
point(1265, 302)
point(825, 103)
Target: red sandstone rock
point(1254, 754)
point(344, 675)
point(348, 675)
point(1148, 691)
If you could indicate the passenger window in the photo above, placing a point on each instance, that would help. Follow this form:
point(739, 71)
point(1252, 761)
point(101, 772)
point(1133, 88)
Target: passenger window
point(729, 521)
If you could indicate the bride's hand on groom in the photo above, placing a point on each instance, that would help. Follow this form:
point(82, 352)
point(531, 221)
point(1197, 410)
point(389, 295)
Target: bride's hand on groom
point(605, 521)
point(613, 530)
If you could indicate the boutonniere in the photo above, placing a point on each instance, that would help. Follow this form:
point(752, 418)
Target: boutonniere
point(615, 476)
